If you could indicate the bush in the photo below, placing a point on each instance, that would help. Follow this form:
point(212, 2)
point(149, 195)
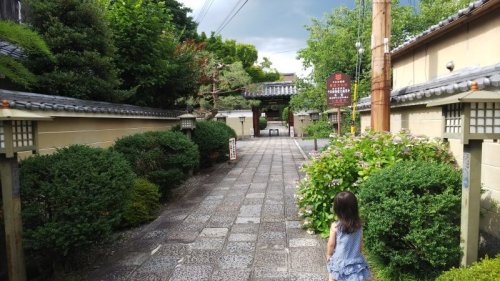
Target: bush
point(212, 139)
point(262, 123)
point(142, 203)
point(284, 114)
point(485, 270)
point(164, 158)
point(318, 129)
point(72, 199)
point(412, 216)
point(351, 159)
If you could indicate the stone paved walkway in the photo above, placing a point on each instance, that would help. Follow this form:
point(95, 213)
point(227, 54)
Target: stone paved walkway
point(240, 224)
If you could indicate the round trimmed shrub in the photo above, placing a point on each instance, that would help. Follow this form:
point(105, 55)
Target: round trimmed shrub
point(72, 199)
point(484, 270)
point(412, 216)
point(142, 203)
point(164, 158)
point(212, 139)
point(262, 123)
point(348, 161)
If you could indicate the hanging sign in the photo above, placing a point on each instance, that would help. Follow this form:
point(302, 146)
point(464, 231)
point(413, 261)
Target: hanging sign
point(338, 90)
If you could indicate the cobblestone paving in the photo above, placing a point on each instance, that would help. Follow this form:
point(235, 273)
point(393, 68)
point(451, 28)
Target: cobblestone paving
point(240, 224)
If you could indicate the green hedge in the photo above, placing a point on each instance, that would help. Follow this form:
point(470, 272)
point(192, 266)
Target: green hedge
point(348, 161)
point(164, 158)
point(412, 216)
point(212, 139)
point(142, 203)
point(262, 123)
point(72, 199)
point(484, 270)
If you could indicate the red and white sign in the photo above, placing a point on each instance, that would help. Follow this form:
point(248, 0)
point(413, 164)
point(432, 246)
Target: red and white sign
point(338, 90)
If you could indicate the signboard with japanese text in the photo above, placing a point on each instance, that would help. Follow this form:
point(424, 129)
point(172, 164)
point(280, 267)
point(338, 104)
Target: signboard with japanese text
point(338, 90)
point(232, 149)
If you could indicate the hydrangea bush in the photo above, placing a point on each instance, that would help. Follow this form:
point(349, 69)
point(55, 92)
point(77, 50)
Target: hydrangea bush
point(349, 160)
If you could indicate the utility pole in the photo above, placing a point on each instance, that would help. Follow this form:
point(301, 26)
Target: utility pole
point(381, 65)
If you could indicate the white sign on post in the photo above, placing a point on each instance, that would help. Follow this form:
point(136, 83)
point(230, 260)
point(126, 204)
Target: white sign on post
point(232, 149)
point(292, 132)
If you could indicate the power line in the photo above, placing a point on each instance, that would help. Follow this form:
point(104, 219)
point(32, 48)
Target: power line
point(230, 13)
point(230, 19)
point(208, 5)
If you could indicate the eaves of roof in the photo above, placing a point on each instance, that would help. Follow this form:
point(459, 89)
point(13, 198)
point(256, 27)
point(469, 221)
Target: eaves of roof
point(458, 82)
point(272, 89)
point(58, 106)
point(471, 12)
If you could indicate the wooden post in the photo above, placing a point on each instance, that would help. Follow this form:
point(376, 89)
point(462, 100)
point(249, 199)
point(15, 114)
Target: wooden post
point(338, 120)
point(381, 65)
point(471, 199)
point(12, 216)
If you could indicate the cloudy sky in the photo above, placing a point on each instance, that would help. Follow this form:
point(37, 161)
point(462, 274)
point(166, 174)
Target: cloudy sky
point(275, 27)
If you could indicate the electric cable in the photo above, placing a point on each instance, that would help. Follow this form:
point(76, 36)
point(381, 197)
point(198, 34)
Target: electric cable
point(205, 11)
point(230, 19)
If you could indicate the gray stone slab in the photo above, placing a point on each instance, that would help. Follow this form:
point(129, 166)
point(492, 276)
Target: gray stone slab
point(306, 276)
point(303, 242)
point(267, 274)
point(231, 275)
point(214, 232)
point(256, 195)
point(254, 220)
point(157, 268)
point(250, 210)
point(271, 258)
point(207, 244)
point(272, 226)
point(197, 219)
point(308, 259)
point(202, 257)
point(192, 272)
point(292, 224)
point(235, 261)
point(174, 250)
point(245, 228)
point(240, 247)
point(242, 237)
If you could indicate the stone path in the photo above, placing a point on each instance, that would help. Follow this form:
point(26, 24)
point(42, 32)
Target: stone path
point(240, 223)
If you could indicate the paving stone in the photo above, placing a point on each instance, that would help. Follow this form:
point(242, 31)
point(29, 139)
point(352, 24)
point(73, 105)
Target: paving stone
point(250, 210)
point(256, 195)
point(202, 257)
point(307, 259)
point(220, 221)
point(266, 274)
point(272, 226)
point(197, 219)
point(207, 244)
point(292, 224)
point(175, 250)
point(305, 276)
point(245, 228)
point(156, 268)
point(240, 248)
point(303, 242)
point(231, 275)
point(270, 258)
point(214, 232)
point(182, 236)
point(254, 220)
point(241, 237)
point(192, 272)
point(235, 261)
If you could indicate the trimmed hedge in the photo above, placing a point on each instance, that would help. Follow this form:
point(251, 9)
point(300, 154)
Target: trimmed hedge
point(212, 139)
point(72, 199)
point(484, 270)
point(142, 203)
point(412, 213)
point(164, 158)
point(262, 123)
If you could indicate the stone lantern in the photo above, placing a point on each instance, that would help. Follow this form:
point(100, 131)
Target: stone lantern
point(188, 123)
point(242, 120)
point(221, 117)
point(471, 117)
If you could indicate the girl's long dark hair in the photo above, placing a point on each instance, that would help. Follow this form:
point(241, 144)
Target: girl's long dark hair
point(345, 206)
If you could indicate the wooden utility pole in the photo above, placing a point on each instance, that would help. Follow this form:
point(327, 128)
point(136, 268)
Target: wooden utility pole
point(381, 65)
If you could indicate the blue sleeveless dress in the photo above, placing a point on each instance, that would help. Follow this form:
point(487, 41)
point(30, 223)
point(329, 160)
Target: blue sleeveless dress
point(347, 263)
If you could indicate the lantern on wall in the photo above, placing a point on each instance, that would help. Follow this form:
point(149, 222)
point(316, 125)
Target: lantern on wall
point(470, 117)
point(314, 114)
point(18, 133)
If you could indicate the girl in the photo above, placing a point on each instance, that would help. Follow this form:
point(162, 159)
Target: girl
point(344, 259)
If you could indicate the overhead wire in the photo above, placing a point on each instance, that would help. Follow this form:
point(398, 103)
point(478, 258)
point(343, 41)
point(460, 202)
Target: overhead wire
point(204, 10)
point(359, 53)
point(224, 24)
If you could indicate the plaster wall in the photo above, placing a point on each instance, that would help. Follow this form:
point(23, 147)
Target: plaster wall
point(466, 46)
point(233, 121)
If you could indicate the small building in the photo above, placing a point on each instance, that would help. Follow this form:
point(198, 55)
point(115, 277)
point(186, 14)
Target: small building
point(442, 62)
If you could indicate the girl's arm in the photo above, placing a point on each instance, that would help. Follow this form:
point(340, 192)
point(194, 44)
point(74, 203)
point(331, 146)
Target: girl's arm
point(331, 241)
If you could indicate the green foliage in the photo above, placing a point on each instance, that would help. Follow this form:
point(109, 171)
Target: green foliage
point(412, 216)
point(164, 158)
point(142, 203)
point(151, 59)
point(72, 199)
point(212, 139)
point(262, 123)
point(484, 270)
point(237, 102)
point(318, 129)
point(284, 114)
point(80, 39)
point(30, 42)
point(349, 160)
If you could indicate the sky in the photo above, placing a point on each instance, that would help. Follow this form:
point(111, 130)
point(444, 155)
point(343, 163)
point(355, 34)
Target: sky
point(275, 27)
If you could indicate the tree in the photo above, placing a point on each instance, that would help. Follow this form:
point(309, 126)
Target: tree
point(79, 37)
point(152, 60)
point(184, 25)
point(27, 42)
